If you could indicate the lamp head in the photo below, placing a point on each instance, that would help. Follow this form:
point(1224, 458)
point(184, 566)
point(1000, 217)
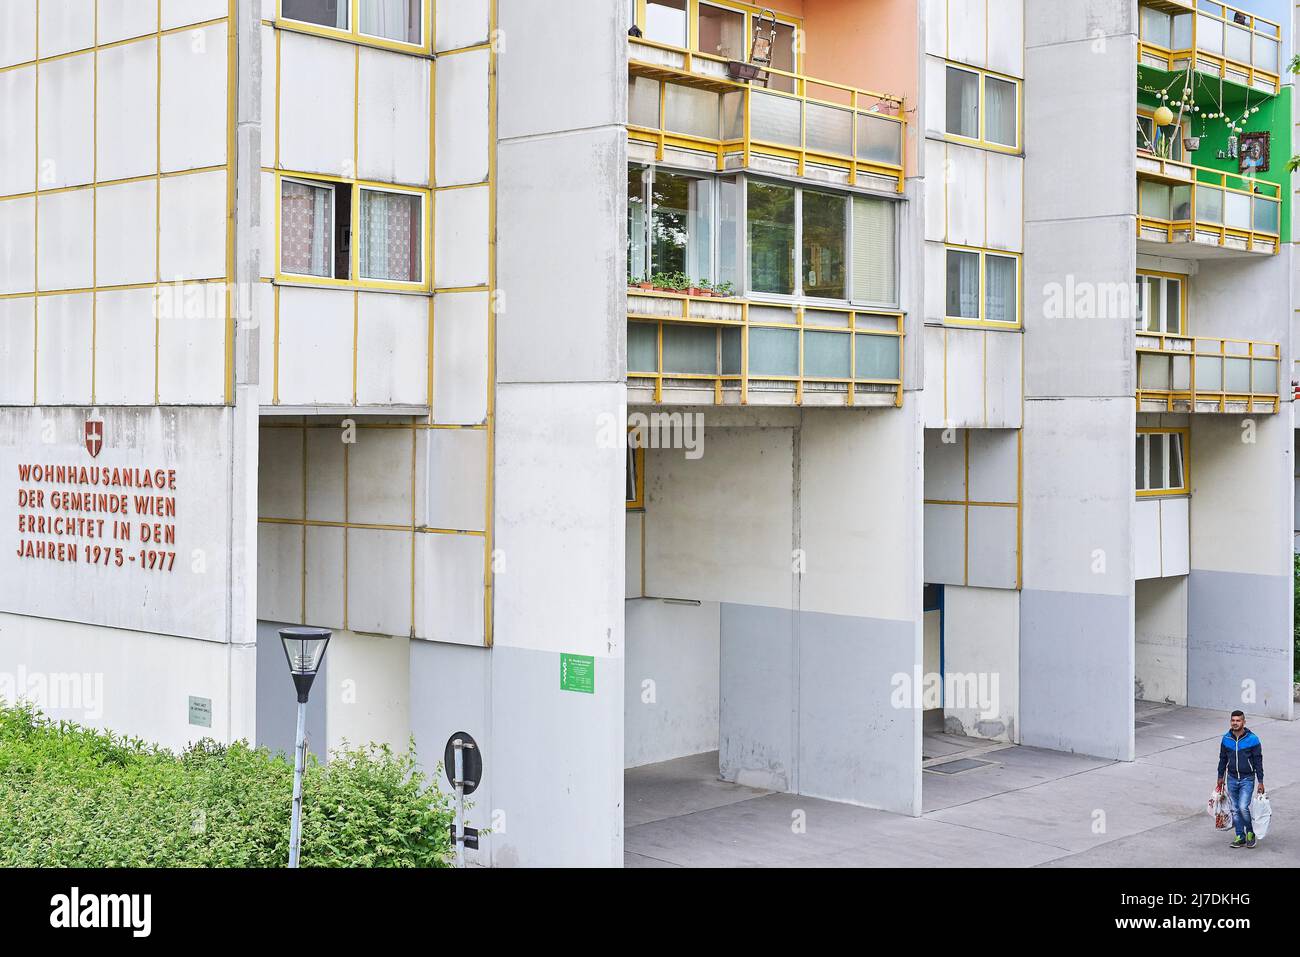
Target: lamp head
point(305, 650)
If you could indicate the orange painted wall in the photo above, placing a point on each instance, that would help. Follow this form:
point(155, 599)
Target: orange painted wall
point(870, 44)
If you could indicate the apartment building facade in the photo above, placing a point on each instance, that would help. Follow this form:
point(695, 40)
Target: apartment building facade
point(339, 312)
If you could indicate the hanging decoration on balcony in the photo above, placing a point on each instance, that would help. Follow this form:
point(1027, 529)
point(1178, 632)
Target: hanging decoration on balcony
point(760, 52)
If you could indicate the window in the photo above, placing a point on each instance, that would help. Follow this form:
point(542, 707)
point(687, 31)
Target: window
point(1163, 141)
point(1160, 303)
point(722, 32)
point(771, 219)
point(315, 220)
point(666, 22)
point(875, 250)
point(325, 13)
point(671, 225)
point(392, 226)
point(982, 107)
point(1161, 463)
point(392, 20)
point(635, 473)
point(963, 103)
point(638, 256)
point(982, 286)
point(825, 236)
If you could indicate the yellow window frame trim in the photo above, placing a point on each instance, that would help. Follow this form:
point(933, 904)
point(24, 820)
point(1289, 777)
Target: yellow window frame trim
point(982, 141)
point(355, 281)
point(1183, 280)
point(984, 322)
point(1187, 462)
point(354, 34)
point(638, 463)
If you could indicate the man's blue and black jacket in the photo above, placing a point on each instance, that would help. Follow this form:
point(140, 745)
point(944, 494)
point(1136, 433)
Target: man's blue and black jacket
point(1243, 756)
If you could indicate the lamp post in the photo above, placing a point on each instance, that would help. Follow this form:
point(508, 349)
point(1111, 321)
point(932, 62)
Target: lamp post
point(305, 649)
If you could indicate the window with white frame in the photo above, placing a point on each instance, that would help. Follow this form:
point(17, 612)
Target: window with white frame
point(1160, 304)
point(398, 20)
point(390, 236)
point(1161, 464)
point(982, 286)
point(314, 228)
point(324, 13)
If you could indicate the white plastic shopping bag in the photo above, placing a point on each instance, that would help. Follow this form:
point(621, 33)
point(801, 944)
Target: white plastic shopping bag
point(1260, 812)
point(1219, 810)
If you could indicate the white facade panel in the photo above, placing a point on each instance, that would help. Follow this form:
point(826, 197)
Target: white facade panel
point(1006, 36)
point(126, 235)
point(1146, 538)
point(462, 24)
point(456, 479)
point(1005, 226)
point(65, 241)
point(326, 592)
point(192, 347)
point(315, 346)
point(462, 118)
point(317, 104)
point(1175, 556)
point(17, 350)
point(180, 13)
point(449, 601)
point(67, 125)
point(124, 19)
point(64, 330)
point(966, 195)
point(194, 98)
point(127, 110)
point(461, 250)
point(192, 230)
point(379, 477)
point(18, 131)
point(124, 347)
point(379, 581)
point(393, 133)
point(66, 25)
point(17, 252)
point(968, 32)
point(17, 32)
point(460, 358)
point(392, 349)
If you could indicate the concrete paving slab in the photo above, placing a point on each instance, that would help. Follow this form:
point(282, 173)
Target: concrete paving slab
point(1014, 769)
point(676, 788)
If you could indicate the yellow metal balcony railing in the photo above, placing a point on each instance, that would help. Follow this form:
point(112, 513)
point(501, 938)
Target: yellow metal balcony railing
point(689, 350)
point(1182, 203)
point(1216, 39)
point(1205, 374)
point(680, 99)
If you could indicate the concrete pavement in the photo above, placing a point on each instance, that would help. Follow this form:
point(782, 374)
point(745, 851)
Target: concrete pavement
point(1025, 807)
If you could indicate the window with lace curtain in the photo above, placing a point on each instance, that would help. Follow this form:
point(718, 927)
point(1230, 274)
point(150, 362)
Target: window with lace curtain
point(982, 107)
point(308, 214)
point(390, 236)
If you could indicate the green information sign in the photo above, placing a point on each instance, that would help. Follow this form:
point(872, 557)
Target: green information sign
point(578, 673)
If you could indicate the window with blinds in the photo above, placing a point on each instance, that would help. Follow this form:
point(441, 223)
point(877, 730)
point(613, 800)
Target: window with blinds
point(875, 251)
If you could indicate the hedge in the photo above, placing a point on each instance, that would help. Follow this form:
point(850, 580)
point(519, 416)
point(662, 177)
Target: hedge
point(76, 797)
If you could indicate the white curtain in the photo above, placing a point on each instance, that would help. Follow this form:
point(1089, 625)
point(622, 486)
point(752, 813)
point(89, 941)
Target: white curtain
point(391, 19)
point(374, 236)
point(1000, 289)
point(320, 265)
point(1000, 111)
point(963, 103)
point(963, 284)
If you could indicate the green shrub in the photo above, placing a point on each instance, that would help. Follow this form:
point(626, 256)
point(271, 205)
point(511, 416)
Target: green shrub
point(75, 797)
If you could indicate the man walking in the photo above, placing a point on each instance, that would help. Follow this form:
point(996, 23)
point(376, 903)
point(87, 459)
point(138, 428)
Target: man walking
point(1242, 757)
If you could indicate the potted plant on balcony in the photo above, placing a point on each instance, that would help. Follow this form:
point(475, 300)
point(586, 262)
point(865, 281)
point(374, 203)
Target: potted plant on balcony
point(677, 282)
point(699, 287)
point(723, 290)
point(640, 283)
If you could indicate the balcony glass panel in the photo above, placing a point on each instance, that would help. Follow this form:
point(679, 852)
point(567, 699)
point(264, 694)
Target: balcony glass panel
point(1182, 372)
point(830, 129)
point(690, 350)
point(1180, 203)
point(877, 357)
point(773, 352)
point(643, 102)
point(775, 119)
point(1238, 45)
point(691, 112)
point(1209, 34)
point(1153, 199)
point(826, 355)
point(1265, 372)
point(1153, 372)
point(731, 352)
point(642, 347)
point(1209, 374)
point(1238, 375)
point(1237, 210)
point(1182, 32)
point(1157, 26)
point(879, 140)
point(1209, 205)
point(1266, 215)
point(1266, 54)
point(733, 115)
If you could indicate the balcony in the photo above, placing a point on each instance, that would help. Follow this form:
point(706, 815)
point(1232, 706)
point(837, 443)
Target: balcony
point(1200, 374)
point(1209, 213)
point(684, 107)
point(697, 350)
point(1215, 39)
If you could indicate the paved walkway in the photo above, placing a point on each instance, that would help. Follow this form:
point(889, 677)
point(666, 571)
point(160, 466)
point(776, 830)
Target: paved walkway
point(1026, 807)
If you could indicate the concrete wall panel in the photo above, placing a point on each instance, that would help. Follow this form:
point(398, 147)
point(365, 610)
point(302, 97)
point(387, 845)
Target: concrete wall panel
point(1161, 635)
point(194, 92)
point(17, 350)
point(65, 240)
point(393, 138)
point(18, 131)
point(66, 132)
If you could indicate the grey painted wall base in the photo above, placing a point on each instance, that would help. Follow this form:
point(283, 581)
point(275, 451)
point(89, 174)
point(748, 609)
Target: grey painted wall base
point(807, 706)
point(1239, 638)
point(552, 789)
point(1076, 672)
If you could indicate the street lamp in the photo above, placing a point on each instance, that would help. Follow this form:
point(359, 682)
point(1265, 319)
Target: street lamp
point(305, 649)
